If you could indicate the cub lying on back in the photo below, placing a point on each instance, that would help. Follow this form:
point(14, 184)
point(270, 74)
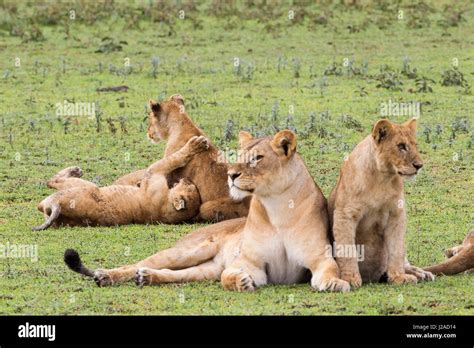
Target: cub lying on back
point(153, 201)
point(284, 240)
point(367, 206)
point(169, 121)
point(460, 259)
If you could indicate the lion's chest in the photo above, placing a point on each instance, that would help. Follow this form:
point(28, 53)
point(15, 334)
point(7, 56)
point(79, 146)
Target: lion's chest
point(280, 266)
point(375, 221)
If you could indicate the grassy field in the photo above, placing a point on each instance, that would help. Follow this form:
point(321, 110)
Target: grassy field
point(325, 73)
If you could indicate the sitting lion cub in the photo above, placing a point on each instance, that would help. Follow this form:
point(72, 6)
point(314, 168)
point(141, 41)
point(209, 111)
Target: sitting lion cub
point(153, 201)
point(367, 206)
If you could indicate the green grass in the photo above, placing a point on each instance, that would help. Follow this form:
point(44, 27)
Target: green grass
point(198, 63)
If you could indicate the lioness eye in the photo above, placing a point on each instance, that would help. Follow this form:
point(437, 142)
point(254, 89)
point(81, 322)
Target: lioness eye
point(254, 160)
point(402, 147)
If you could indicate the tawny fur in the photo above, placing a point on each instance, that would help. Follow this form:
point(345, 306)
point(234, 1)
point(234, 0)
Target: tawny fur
point(169, 121)
point(367, 207)
point(460, 259)
point(284, 240)
point(153, 201)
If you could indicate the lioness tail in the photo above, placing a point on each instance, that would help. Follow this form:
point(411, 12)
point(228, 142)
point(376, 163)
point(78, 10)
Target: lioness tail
point(73, 261)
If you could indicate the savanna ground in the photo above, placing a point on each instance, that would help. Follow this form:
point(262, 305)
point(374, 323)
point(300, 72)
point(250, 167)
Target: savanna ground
point(325, 73)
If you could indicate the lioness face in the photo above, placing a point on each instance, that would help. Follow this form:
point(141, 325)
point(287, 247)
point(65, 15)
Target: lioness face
point(262, 166)
point(396, 148)
point(160, 116)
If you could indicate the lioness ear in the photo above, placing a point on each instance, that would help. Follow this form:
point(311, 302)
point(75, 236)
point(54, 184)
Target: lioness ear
point(244, 137)
point(411, 124)
point(154, 106)
point(381, 130)
point(284, 143)
point(177, 98)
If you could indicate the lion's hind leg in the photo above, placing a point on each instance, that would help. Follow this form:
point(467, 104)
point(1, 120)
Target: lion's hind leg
point(69, 172)
point(68, 178)
point(176, 258)
point(210, 270)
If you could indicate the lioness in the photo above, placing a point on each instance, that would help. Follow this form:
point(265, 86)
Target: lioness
point(152, 202)
point(367, 206)
point(460, 259)
point(284, 239)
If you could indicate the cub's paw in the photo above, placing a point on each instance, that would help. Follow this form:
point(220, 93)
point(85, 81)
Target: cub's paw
point(399, 279)
point(236, 279)
point(70, 172)
point(144, 276)
point(198, 144)
point(419, 273)
point(102, 278)
point(333, 284)
point(353, 278)
point(453, 251)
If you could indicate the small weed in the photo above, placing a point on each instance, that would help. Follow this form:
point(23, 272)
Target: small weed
point(389, 79)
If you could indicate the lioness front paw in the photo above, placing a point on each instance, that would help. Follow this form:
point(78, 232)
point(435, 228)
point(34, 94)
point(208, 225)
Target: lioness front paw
point(402, 278)
point(353, 278)
point(333, 284)
point(102, 278)
point(198, 144)
point(235, 279)
point(419, 273)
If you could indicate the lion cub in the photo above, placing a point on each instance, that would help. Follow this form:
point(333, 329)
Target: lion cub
point(153, 201)
point(367, 206)
point(460, 259)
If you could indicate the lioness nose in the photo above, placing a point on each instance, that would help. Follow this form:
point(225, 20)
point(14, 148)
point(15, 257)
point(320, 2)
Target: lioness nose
point(417, 165)
point(234, 175)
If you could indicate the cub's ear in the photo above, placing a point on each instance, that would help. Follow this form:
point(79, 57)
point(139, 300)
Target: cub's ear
point(154, 106)
point(411, 124)
point(284, 143)
point(244, 137)
point(381, 130)
point(177, 98)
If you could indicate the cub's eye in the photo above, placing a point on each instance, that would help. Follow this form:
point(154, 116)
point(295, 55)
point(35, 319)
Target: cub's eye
point(258, 158)
point(402, 147)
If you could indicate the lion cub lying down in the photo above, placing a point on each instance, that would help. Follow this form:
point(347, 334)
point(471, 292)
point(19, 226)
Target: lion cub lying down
point(460, 259)
point(153, 201)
